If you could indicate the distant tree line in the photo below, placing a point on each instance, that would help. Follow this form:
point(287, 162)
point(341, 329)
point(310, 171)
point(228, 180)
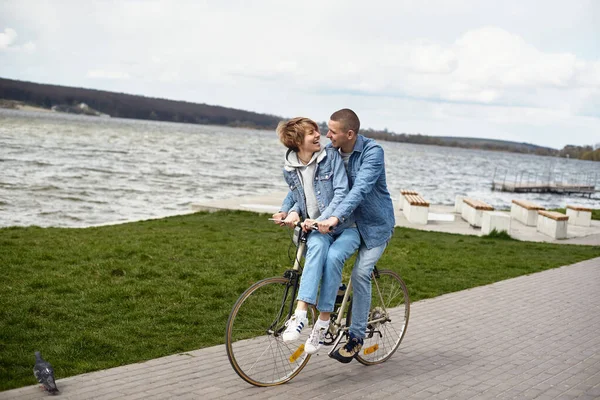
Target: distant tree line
point(140, 107)
point(569, 151)
point(123, 105)
point(462, 142)
point(581, 152)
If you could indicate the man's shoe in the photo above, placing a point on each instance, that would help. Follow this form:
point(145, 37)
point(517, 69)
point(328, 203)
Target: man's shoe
point(349, 351)
point(315, 340)
point(294, 328)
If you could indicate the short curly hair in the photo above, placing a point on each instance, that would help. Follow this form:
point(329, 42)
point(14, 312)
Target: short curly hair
point(291, 133)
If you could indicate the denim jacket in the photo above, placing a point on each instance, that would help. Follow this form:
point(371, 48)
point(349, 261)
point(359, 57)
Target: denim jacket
point(368, 198)
point(330, 185)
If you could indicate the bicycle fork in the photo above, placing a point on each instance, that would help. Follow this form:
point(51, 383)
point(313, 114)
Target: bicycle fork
point(293, 275)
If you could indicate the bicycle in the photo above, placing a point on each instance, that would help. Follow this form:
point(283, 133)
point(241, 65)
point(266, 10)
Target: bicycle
point(253, 339)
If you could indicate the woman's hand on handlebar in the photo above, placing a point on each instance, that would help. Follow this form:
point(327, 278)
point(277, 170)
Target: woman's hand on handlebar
point(279, 217)
point(292, 219)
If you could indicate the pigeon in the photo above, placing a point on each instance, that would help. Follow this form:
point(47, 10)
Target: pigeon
point(44, 373)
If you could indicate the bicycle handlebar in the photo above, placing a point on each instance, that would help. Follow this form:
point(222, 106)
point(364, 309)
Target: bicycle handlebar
point(314, 226)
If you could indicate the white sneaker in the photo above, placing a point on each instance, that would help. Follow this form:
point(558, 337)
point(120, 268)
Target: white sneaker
point(315, 340)
point(294, 328)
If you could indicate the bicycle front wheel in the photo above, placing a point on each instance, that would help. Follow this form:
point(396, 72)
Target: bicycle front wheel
point(388, 318)
point(253, 339)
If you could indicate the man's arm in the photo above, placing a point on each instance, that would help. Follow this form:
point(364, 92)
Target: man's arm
point(369, 172)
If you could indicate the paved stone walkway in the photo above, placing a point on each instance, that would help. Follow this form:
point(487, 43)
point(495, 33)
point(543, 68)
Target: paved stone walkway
point(536, 336)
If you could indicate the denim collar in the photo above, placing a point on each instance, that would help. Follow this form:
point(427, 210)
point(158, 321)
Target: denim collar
point(359, 144)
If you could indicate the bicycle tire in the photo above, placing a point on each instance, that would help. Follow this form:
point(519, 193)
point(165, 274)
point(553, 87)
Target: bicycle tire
point(256, 352)
point(383, 338)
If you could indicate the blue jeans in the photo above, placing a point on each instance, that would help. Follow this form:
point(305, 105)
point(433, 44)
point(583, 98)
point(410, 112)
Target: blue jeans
point(325, 257)
point(361, 287)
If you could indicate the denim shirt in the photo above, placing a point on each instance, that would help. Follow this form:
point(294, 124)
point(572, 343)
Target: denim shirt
point(368, 198)
point(330, 185)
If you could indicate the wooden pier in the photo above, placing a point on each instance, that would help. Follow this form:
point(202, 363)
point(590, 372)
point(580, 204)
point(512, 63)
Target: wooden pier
point(557, 188)
point(548, 182)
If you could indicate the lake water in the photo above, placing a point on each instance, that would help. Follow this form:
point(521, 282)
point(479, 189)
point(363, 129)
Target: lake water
point(74, 171)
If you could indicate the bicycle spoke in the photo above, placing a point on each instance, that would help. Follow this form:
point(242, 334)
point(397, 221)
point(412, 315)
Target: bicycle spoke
point(259, 357)
point(388, 318)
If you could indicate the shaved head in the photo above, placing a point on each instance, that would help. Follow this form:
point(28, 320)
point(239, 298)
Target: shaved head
point(347, 119)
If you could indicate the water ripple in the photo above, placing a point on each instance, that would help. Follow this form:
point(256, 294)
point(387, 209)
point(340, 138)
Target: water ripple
point(71, 171)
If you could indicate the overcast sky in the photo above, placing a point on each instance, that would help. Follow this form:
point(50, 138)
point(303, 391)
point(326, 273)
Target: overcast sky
point(515, 69)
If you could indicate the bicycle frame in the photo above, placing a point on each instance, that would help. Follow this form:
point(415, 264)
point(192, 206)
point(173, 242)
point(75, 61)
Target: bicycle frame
point(296, 272)
point(254, 343)
point(336, 326)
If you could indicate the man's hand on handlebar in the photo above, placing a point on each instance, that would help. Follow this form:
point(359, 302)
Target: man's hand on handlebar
point(308, 224)
point(327, 225)
point(323, 227)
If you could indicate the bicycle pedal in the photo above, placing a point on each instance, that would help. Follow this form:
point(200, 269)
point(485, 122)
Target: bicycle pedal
point(335, 344)
point(297, 353)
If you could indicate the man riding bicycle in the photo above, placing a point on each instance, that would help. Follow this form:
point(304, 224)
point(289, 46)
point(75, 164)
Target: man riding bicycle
point(371, 203)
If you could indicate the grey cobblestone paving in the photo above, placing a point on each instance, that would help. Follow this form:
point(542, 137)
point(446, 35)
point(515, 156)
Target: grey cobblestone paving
point(531, 337)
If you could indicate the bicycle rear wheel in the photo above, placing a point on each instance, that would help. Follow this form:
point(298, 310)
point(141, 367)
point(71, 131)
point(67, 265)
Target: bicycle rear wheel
point(388, 318)
point(253, 339)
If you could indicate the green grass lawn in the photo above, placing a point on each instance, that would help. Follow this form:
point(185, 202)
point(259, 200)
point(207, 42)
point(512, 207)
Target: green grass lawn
point(96, 298)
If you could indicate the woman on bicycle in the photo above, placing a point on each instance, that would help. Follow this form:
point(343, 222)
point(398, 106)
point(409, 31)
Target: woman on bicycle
point(318, 183)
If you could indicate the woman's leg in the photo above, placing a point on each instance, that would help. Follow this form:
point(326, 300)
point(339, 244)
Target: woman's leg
point(344, 245)
point(316, 255)
point(342, 248)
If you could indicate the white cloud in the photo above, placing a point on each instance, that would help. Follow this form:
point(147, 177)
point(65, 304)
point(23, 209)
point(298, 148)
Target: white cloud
point(107, 74)
point(588, 74)
point(497, 67)
point(486, 65)
point(493, 58)
point(29, 47)
point(395, 61)
point(8, 39)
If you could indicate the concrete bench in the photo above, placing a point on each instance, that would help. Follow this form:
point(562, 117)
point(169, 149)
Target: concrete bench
point(472, 210)
point(416, 209)
point(495, 220)
point(552, 223)
point(525, 211)
point(458, 202)
point(403, 193)
point(578, 215)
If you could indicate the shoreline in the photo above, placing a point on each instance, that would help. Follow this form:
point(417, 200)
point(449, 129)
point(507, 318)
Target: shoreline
point(442, 218)
point(20, 106)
